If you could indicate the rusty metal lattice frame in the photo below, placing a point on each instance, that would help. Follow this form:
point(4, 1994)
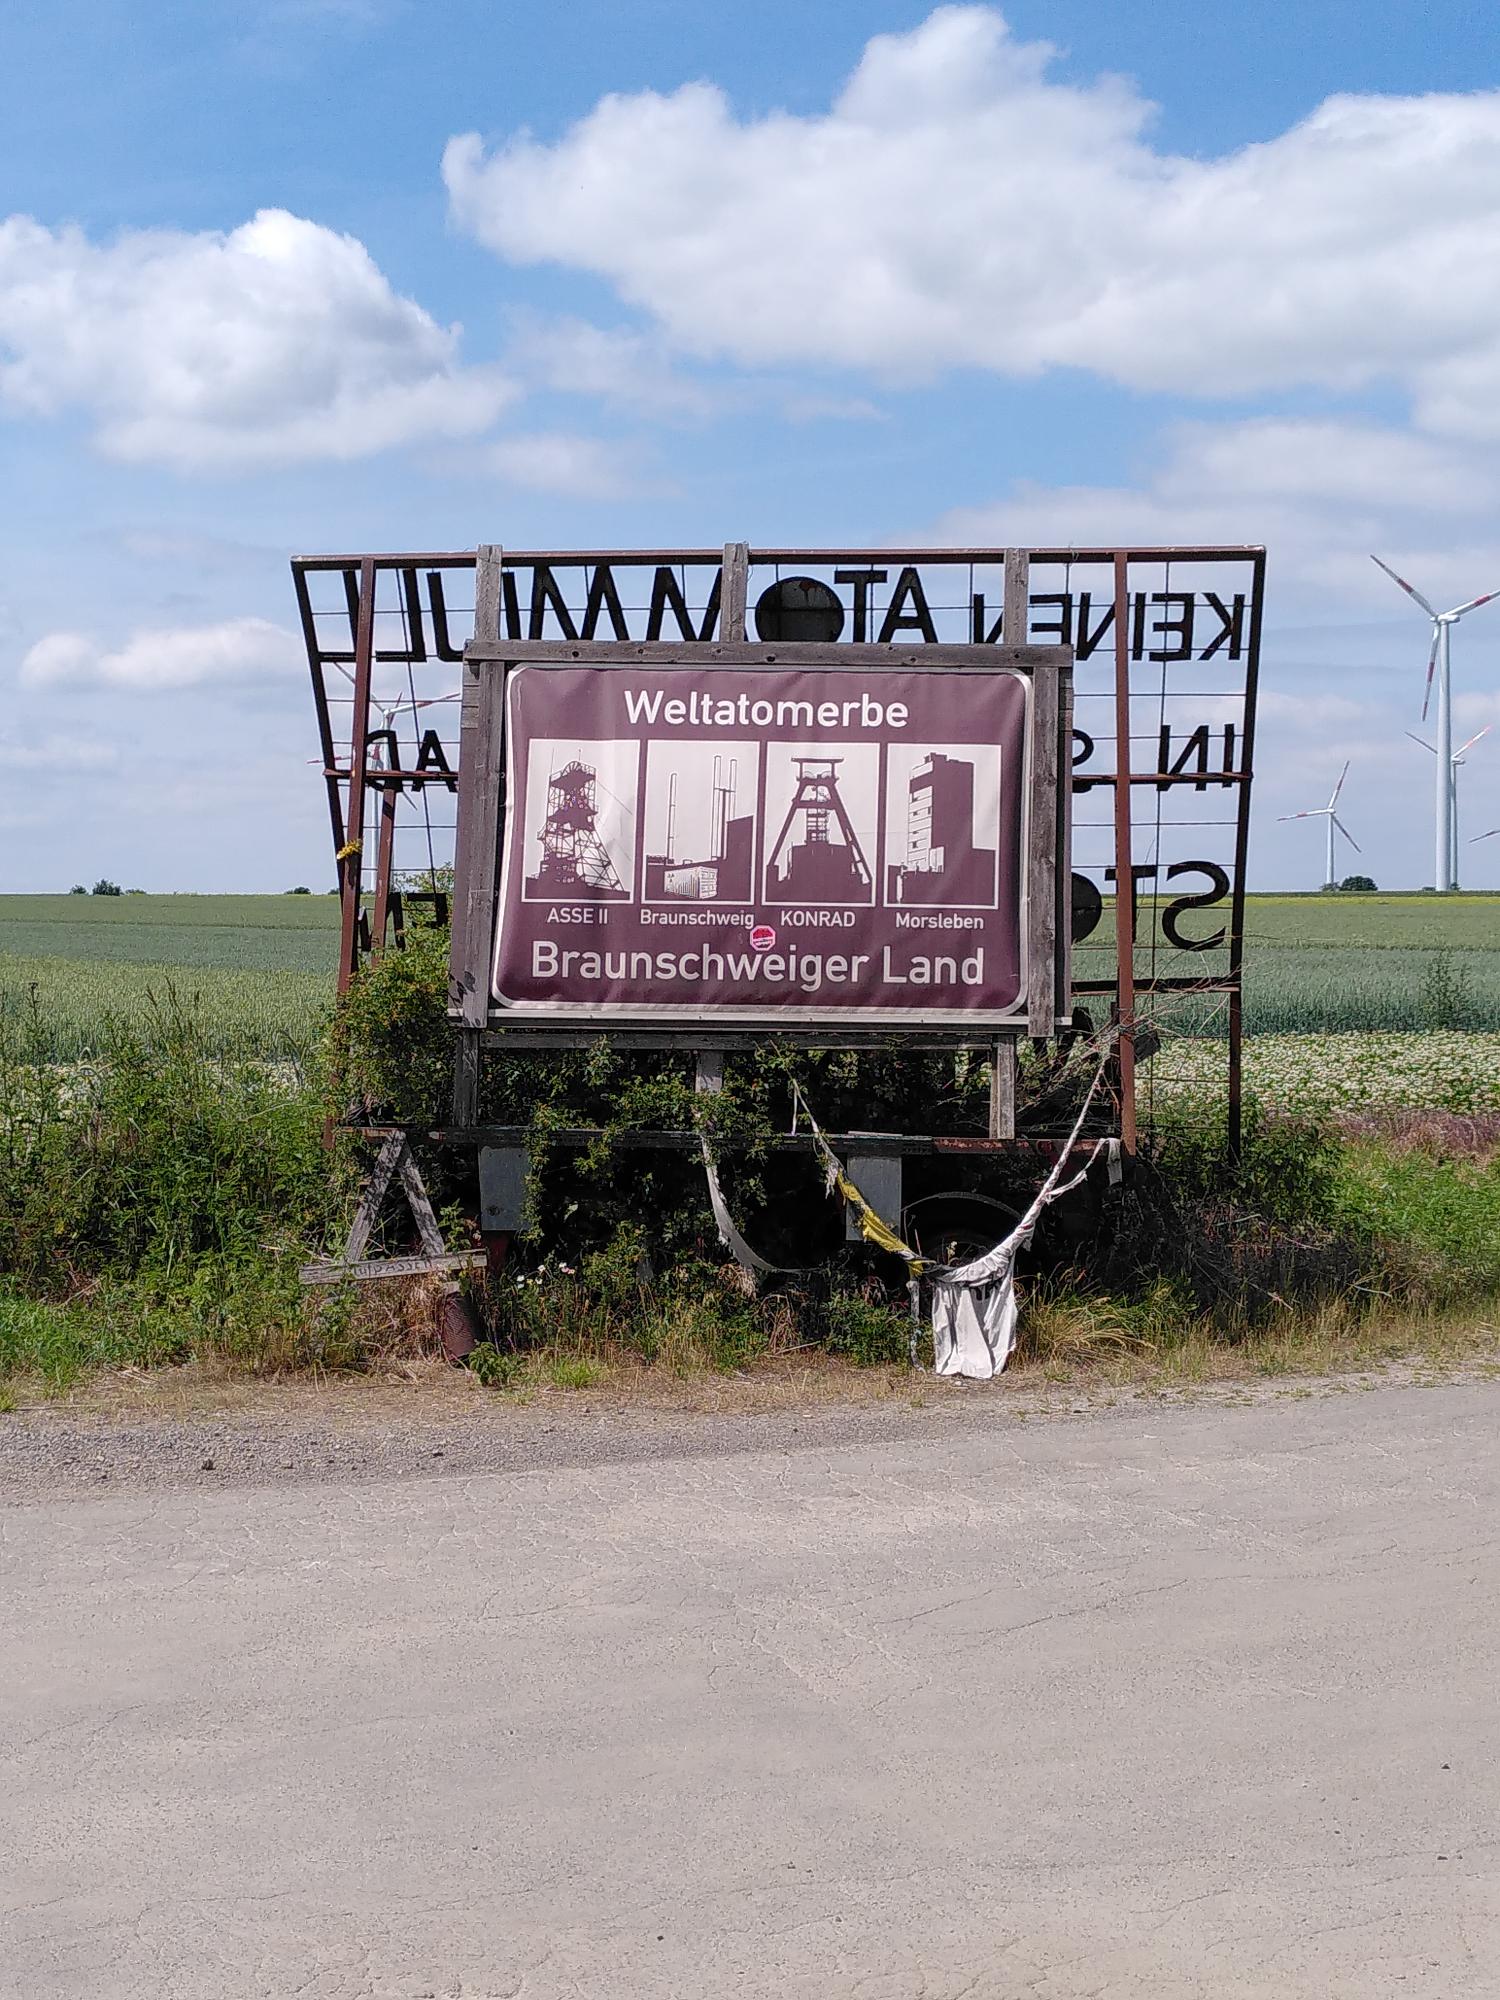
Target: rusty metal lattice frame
point(351, 783)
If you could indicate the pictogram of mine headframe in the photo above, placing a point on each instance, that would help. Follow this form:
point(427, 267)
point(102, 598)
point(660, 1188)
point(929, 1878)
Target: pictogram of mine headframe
point(816, 867)
point(575, 861)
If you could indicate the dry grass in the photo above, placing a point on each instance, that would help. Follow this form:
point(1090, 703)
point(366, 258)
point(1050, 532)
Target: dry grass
point(1077, 1340)
point(1074, 1354)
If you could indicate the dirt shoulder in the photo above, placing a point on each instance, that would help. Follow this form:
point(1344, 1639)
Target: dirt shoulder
point(172, 1431)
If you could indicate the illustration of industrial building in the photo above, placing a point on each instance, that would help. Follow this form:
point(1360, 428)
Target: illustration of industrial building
point(817, 857)
point(575, 862)
point(724, 875)
point(940, 863)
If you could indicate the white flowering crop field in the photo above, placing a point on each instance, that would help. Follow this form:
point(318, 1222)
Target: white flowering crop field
point(1436, 1070)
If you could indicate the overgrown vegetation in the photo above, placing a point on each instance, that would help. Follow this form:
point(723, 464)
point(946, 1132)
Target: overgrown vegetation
point(156, 1201)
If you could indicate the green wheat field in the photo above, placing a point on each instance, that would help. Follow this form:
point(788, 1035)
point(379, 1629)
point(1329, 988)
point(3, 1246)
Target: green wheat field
point(259, 969)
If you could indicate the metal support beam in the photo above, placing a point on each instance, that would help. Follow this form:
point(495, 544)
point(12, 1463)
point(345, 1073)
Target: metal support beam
point(1124, 879)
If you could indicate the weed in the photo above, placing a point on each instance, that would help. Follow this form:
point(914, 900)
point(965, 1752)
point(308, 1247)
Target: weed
point(573, 1371)
point(495, 1368)
point(1446, 999)
point(870, 1329)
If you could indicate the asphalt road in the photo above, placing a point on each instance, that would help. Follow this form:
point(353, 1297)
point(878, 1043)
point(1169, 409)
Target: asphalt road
point(1155, 1703)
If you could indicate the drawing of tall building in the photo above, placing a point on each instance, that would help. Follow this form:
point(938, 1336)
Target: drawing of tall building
point(940, 863)
point(575, 862)
point(817, 857)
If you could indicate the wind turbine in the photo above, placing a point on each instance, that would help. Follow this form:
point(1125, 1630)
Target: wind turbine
point(1458, 758)
point(1439, 657)
point(1328, 812)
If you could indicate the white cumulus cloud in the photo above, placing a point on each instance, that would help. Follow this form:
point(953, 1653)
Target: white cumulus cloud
point(278, 341)
point(959, 207)
point(236, 651)
point(1321, 493)
point(614, 364)
point(578, 468)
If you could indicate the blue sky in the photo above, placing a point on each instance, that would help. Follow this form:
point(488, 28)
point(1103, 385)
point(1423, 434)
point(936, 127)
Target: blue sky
point(810, 273)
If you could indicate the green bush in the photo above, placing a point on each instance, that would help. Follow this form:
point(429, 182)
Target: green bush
point(870, 1329)
point(154, 1158)
point(1433, 1223)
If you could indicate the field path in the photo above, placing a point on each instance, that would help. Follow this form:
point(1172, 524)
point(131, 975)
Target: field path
point(1155, 1702)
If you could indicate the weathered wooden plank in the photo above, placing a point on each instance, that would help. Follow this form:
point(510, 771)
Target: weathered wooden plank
point(700, 1033)
point(392, 1267)
point(481, 781)
point(467, 1055)
point(1003, 1090)
point(733, 589)
point(421, 1206)
point(387, 1161)
point(1041, 859)
point(1016, 605)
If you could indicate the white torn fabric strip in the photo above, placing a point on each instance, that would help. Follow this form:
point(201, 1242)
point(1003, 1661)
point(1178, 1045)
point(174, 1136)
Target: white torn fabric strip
point(729, 1236)
point(974, 1304)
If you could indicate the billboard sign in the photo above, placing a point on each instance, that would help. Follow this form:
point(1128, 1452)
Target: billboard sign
point(743, 842)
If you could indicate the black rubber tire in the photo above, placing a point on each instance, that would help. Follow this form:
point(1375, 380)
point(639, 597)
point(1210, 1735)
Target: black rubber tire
point(953, 1228)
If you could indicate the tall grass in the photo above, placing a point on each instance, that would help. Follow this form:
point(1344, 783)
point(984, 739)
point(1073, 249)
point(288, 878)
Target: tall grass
point(156, 1202)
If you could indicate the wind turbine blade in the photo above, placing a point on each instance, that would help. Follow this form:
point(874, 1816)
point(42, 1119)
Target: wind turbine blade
point(1422, 740)
point(1472, 741)
point(1307, 815)
point(1431, 665)
point(1484, 836)
point(1339, 786)
point(1408, 588)
point(1346, 833)
point(1474, 603)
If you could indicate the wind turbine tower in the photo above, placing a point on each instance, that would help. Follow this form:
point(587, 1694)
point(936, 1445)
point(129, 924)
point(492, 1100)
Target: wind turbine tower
point(1458, 758)
point(1330, 813)
point(1443, 623)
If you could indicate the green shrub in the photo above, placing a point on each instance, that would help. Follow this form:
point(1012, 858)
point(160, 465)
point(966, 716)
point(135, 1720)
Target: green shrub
point(872, 1330)
point(1434, 1223)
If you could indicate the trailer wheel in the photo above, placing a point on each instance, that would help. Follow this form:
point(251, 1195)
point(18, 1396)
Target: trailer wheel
point(954, 1228)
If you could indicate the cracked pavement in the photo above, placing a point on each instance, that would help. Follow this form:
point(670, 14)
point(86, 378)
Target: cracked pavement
point(1168, 1703)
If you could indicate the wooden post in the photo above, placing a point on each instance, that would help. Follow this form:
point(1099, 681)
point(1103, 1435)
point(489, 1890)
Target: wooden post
point(1041, 859)
point(1015, 608)
point(733, 589)
point(1043, 826)
point(480, 782)
point(1003, 1089)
